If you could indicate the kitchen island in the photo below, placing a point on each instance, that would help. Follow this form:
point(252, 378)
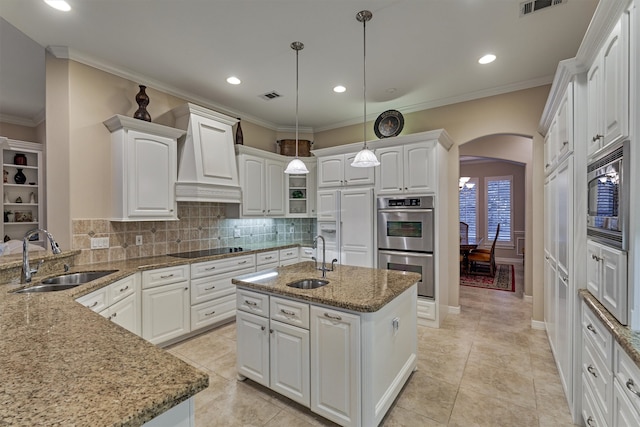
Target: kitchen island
point(344, 349)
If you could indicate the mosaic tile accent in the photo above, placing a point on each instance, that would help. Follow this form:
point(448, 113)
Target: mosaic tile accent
point(200, 226)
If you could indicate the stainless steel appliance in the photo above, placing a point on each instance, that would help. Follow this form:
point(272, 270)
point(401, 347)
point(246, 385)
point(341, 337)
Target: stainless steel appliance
point(607, 202)
point(207, 252)
point(405, 238)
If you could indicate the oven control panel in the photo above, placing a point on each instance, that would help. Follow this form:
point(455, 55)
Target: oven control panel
point(422, 202)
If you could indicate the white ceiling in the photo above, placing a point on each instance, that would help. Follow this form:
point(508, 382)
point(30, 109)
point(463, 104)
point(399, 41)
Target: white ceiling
point(420, 53)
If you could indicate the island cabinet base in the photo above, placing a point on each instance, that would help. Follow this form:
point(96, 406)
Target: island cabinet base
point(357, 362)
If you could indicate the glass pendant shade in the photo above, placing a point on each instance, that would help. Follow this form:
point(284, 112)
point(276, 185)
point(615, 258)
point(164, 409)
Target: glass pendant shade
point(365, 159)
point(296, 166)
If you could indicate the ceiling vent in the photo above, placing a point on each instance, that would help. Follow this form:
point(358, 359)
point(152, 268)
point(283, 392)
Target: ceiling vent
point(528, 7)
point(270, 95)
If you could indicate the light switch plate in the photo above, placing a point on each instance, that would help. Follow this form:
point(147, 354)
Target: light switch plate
point(138, 240)
point(99, 242)
point(236, 232)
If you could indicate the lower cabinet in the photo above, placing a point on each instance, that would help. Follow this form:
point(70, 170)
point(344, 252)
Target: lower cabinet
point(607, 278)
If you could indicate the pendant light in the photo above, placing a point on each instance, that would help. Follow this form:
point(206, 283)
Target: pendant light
point(296, 166)
point(365, 157)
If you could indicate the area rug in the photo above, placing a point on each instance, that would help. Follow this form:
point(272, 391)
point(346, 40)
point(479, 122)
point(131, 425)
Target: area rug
point(503, 281)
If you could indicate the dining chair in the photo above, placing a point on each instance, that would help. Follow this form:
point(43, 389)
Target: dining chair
point(464, 230)
point(484, 258)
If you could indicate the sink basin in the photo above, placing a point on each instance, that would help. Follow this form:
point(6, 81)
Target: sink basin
point(65, 281)
point(308, 283)
point(77, 278)
point(47, 288)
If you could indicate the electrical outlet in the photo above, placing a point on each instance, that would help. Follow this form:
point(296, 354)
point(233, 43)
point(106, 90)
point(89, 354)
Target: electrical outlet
point(236, 232)
point(291, 229)
point(138, 240)
point(99, 242)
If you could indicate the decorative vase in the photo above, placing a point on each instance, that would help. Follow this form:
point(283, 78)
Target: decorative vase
point(239, 137)
point(19, 177)
point(20, 159)
point(143, 100)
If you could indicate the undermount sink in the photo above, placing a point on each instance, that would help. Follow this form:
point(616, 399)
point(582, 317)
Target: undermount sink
point(308, 283)
point(66, 281)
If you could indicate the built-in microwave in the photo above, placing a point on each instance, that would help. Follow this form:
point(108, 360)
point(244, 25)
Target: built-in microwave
point(608, 197)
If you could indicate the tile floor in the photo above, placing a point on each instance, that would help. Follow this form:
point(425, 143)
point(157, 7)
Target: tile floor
point(484, 367)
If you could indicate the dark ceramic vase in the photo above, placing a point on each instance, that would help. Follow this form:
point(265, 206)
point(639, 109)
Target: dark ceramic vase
point(19, 177)
point(143, 100)
point(239, 137)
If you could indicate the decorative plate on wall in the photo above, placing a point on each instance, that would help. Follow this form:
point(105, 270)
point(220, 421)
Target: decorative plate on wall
point(388, 124)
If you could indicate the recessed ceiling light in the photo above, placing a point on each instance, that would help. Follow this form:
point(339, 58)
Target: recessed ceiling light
point(233, 80)
point(59, 5)
point(487, 59)
point(339, 89)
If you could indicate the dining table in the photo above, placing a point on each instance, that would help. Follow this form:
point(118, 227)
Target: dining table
point(467, 244)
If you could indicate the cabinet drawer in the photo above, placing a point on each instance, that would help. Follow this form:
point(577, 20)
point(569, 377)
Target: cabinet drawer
point(290, 312)
point(204, 269)
point(253, 302)
point(209, 288)
point(599, 378)
point(212, 312)
point(165, 276)
point(625, 414)
point(598, 335)
point(628, 374)
point(96, 301)
point(267, 257)
point(122, 288)
point(290, 253)
point(591, 412)
point(306, 252)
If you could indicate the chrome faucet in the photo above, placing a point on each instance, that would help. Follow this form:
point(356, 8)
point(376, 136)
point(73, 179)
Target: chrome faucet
point(27, 271)
point(323, 267)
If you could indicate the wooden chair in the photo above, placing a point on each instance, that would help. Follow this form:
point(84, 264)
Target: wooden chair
point(484, 258)
point(464, 230)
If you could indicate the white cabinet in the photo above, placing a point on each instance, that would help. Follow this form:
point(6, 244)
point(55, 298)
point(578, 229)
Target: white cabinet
point(22, 189)
point(356, 227)
point(327, 205)
point(626, 395)
point(559, 141)
point(336, 171)
point(165, 304)
point(144, 166)
point(406, 169)
point(608, 90)
point(301, 192)
point(335, 365)
point(263, 186)
point(289, 256)
point(273, 343)
point(607, 278)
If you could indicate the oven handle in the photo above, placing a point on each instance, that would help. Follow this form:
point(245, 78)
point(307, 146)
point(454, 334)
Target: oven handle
point(404, 210)
point(402, 253)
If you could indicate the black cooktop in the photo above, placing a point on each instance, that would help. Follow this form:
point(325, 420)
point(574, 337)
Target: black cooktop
point(206, 252)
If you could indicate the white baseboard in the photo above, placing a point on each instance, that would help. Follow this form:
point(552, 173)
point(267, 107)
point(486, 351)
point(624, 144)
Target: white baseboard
point(527, 298)
point(509, 260)
point(537, 324)
point(453, 309)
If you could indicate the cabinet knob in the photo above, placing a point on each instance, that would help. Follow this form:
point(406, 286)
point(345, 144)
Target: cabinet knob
point(591, 422)
point(592, 371)
point(592, 329)
point(262, 328)
point(270, 331)
point(631, 388)
point(405, 188)
point(547, 165)
point(186, 288)
point(597, 137)
point(565, 143)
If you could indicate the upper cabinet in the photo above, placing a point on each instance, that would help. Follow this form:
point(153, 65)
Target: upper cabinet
point(336, 171)
point(301, 192)
point(559, 140)
point(406, 169)
point(608, 90)
point(207, 169)
point(144, 159)
point(23, 188)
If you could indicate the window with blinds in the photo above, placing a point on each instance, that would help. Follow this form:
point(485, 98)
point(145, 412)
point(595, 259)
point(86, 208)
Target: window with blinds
point(468, 206)
point(499, 207)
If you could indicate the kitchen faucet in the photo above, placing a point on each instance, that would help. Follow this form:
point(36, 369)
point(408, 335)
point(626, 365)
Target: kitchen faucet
point(323, 267)
point(27, 271)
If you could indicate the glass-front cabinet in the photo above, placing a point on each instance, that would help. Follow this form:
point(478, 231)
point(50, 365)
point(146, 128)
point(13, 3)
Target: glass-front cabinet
point(301, 192)
point(22, 188)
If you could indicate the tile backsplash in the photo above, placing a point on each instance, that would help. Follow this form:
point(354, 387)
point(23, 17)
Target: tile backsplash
point(200, 226)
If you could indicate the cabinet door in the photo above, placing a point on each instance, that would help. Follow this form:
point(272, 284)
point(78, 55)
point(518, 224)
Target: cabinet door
point(565, 124)
point(312, 188)
point(357, 176)
point(614, 282)
point(289, 360)
point(165, 311)
point(593, 269)
point(327, 205)
point(624, 414)
point(594, 107)
point(127, 314)
point(390, 173)
point(563, 335)
point(214, 140)
point(615, 84)
point(151, 176)
point(330, 171)
point(564, 215)
point(550, 147)
point(419, 167)
point(335, 365)
point(275, 186)
point(252, 170)
point(252, 340)
point(550, 301)
point(356, 227)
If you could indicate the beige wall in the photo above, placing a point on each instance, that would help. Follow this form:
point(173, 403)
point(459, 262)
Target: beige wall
point(22, 133)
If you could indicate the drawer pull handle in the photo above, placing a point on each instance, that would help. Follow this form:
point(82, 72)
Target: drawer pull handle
point(268, 257)
point(113, 316)
point(592, 329)
point(592, 371)
point(208, 289)
point(124, 289)
point(596, 257)
point(287, 312)
point(565, 143)
point(262, 328)
point(209, 314)
point(251, 303)
point(631, 387)
point(167, 276)
point(93, 305)
point(332, 316)
point(210, 268)
point(597, 137)
point(590, 422)
point(242, 262)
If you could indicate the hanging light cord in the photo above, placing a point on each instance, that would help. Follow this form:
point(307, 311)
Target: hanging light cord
point(297, 46)
point(365, 18)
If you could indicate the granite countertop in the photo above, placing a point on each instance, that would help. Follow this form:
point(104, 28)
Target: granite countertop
point(350, 288)
point(62, 364)
point(629, 340)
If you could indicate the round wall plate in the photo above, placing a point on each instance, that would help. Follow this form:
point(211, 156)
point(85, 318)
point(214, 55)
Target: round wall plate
point(388, 124)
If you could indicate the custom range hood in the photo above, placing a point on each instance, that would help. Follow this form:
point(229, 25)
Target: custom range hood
point(207, 170)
